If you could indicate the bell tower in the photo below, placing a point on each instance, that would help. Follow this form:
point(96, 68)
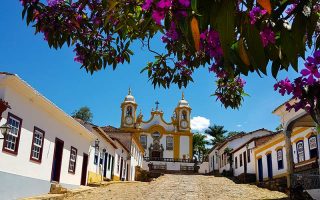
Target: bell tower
point(128, 114)
point(182, 114)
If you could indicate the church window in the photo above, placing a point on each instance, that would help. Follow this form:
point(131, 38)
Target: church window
point(37, 145)
point(300, 151)
point(169, 142)
point(313, 147)
point(11, 140)
point(72, 160)
point(280, 159)
point(184, 115)
point(143, 141)
point(129, 111)
point(240, 160)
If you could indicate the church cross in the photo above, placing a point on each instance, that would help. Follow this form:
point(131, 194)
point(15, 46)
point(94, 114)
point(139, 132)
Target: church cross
point(157, 105)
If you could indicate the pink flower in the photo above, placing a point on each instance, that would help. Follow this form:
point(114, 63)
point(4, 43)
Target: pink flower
point(255, 14)
point(164, 4)
point(284, 86)
point(158, 16)
point(267, 36)
point(185, 3)
point(147, 4)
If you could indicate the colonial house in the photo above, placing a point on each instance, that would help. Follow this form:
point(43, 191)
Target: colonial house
point(213, 160)
point(101, 154)
point(243, 158)
point(165, 145)
point(122, 163)
point(224, 149)
point(128, 142)
point(270, 158)
point(43, 144)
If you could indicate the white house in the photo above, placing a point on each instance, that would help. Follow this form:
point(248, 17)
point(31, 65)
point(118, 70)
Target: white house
point(270, 157)
point(244, 160)
point(102, 156)
point(234, 143)
point(128, 142)
point(43, 145)
point(122, 162)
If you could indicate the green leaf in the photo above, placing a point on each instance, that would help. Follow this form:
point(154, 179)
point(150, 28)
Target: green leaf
point(225, 26)
point(289, 48)
point(256, 52)
point(275, 68)
point(298, 31)
point(194, 5)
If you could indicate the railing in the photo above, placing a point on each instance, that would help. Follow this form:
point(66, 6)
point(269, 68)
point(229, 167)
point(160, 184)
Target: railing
point(169, 160)
point(306, 181)
point(186, 168)
point(159, 167)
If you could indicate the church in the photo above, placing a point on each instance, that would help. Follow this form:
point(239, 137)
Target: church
point(163, 141)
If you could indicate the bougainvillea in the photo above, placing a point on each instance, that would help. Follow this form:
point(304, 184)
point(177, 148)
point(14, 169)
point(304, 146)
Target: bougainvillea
point(304, 89)
point(231, 38)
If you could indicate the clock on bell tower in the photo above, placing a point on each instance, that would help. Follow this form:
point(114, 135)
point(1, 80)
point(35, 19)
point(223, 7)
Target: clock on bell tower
point(128, 107)
point(182, 113)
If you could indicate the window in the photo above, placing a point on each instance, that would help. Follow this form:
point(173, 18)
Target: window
point(37, 145)
point(73, 160)
point(96, 157)
point(248, 154)
point(236, 162)
point(280, 159)
point(143, 141)
point(11, 141)
point(240, 160)
point(184, 115)
point(300, 151)
point(109, 163)
point(129, 111)
point(169, 144)
point(313, 147)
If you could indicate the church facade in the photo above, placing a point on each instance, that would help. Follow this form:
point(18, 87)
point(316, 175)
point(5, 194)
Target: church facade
point(162, 141)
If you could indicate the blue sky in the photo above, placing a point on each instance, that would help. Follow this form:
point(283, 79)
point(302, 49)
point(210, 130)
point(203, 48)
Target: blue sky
point(60, 79)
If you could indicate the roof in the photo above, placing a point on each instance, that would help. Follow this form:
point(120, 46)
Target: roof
point(116, 139)
point(111, 129)
point(258, 140)
point(241, 135)
point(282, 105)
point(46, 102)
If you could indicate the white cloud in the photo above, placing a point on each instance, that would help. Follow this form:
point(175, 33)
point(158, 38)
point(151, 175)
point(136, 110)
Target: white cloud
point(239, 125)
point(199, 123)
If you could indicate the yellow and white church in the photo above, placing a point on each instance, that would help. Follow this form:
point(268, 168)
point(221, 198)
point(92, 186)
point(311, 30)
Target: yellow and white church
point(162, 141)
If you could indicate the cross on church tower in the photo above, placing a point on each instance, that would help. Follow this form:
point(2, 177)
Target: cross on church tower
point(157, 105)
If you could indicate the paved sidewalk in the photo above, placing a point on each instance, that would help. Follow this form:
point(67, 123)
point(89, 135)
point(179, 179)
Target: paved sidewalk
point(176, 187)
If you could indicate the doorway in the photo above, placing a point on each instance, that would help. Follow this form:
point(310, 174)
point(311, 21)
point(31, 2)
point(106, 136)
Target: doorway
point(57, 160)
point(245, 162)
point(260, 169)
point(105, 164)
point(121, 168)
point(84, 169)
point(269, 164)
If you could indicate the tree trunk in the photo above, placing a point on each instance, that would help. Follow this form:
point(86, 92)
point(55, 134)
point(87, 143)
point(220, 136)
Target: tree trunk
point(289, 157)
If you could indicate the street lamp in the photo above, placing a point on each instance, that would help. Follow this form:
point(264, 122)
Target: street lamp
point(96, 144)
point(4, 130)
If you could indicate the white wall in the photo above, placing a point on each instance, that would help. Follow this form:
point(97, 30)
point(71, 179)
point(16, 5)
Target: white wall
point(204, 168)
point(250, 165)
point(33, 115)
point(184, 147)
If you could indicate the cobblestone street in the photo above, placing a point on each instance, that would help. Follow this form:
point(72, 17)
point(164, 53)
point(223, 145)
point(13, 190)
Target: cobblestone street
point(181, 187)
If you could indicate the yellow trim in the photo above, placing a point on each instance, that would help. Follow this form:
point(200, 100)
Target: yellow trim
point(297, 140)
point(279, 147)
point(153, 113)
point(137, 141)
point(176, 146)
point(157, 128)
point(310, 134)
point(279, 139)
point(116, 178)
point(268, 152)
point(123, 113)
point(258, 157)
point(94, 177)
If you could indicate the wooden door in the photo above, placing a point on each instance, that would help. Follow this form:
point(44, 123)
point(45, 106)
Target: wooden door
point(84, 169)
point(57, 160)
